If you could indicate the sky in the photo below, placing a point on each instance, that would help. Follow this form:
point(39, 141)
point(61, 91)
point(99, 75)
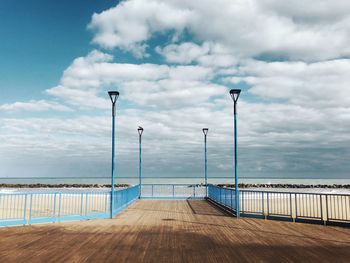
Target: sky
point(173, 63)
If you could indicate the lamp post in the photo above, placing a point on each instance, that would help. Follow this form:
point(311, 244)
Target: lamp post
point(114, 96)
point(234, 95)
point(205, 132)
point(140, 131)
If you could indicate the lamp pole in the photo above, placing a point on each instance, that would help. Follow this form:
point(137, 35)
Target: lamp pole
point(234, 95)
point(140, 131)
point(113, 96)
point(205, 132)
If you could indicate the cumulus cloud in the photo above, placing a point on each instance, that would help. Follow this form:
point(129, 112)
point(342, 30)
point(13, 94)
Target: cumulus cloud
point(207, 54)
point(324, 12)
point(83, 83)
point(130, 23)
point(319, 85)
point(248, 28)
point(294, 115)
point(34, 105)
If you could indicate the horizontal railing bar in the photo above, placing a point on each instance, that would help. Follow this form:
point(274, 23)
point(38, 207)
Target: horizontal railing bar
point(322, 207)
point(56, 206)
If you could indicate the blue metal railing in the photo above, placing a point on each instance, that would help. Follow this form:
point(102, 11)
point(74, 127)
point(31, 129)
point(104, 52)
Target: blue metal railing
point(301, 207)
point(172, 191)
point(124, 198)
point(44, 207)
point(223, 196)
point(40, 207)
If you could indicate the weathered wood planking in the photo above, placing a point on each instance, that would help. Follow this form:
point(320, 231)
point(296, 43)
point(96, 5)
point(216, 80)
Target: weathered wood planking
point(175, 231)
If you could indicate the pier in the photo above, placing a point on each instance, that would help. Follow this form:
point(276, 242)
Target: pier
point(175, 231)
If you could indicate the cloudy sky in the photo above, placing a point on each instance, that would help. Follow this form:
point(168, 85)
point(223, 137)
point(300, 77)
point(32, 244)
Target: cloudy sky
point(173, 63)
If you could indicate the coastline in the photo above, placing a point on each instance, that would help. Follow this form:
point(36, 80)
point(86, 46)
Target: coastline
point(242, 186)
point(61, 185)
point(289, 186)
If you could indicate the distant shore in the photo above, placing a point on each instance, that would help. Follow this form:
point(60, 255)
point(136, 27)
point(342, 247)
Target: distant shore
point(332, 186)
point(295, 186)
point(61, 185)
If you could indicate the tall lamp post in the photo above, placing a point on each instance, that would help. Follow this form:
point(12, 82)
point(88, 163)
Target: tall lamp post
point(114, 96)
point(234, 95)
point(205, 132)
point(140, 131)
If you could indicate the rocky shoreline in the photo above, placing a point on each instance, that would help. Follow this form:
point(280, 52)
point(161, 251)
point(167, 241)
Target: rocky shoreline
point(294, 186)
point(61, 185)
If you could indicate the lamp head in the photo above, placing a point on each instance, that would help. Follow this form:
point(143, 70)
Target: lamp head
point(140, 130)
point(235, 94)
point(205, 131)
point(113, 95)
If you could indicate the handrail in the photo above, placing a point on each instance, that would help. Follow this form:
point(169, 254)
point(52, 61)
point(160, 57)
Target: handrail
point(42, 207)
point(172, 191)
point(325, 208)
point(272, 191)
point(54, 206)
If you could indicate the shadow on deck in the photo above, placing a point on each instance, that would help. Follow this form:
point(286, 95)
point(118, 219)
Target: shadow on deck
point(175, 231)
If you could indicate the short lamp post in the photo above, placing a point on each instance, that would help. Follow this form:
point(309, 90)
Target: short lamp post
point(234, 95)
point(205, 132)
point(140, 131)
point(114, 96)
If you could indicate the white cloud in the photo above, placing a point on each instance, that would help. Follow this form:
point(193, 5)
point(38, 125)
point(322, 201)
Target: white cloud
point(293, 115)
point(34, 105)
point(324, 12)
point(247, 28)
point(207, 54)
point(273, 135)
point(84, 83)
point(185, 53)
point(131, 22)
point(321, 84)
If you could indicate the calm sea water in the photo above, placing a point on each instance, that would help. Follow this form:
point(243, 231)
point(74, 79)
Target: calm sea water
point(173, 180)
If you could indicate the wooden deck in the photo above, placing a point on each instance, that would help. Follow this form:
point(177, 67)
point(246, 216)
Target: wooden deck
point(175, 231)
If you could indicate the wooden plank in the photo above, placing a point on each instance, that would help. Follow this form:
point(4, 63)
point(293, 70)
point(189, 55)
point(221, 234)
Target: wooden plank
point(175, 231)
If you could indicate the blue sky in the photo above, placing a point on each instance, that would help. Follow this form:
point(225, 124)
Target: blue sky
point(40, 39)
point(174, 63)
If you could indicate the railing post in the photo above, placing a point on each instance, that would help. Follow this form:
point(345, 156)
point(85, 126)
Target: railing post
point(194, 191)
point(30, 208)
point(173, 190)
point(86, 204)
point(321, 208)
point(327, 215)
point(59, 206)
point(54, 208)
point(290, 205)
point(112, 204)
point(81, 204)
point(25, 209)
point(296, 206)
point(267, 204)
point(106, 202)
point(262, 204)
point(152, 190)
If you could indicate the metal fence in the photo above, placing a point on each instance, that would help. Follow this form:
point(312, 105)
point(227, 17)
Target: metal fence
point(223, 196)
point(302, 207)
point(44, 207)
point(124, 198)
point(172, 191)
